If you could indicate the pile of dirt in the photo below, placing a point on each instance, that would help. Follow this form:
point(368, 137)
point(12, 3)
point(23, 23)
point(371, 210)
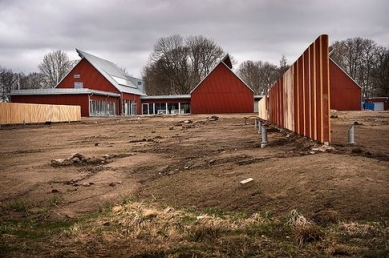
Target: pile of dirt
point(78, 159)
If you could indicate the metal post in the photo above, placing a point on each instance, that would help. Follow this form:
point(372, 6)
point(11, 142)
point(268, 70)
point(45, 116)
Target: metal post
point(256, 123)
point(259, 126)
point(351, 133)
point(264, 137)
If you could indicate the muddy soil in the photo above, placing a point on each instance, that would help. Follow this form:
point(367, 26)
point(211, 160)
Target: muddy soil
point(66, 170)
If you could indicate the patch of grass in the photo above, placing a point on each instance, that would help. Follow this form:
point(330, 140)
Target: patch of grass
point(55, 201)
point(215, 212)
point(141, 229)
point(377, 253)
point(20, 206)
point(203, 232)
point(188, 218)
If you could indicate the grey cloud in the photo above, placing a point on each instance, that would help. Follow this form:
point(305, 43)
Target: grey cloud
point(125, 31)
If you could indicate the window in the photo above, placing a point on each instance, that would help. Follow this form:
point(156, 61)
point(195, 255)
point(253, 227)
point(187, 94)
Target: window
point(77, 76)
point(102, 108)
point(78, 85)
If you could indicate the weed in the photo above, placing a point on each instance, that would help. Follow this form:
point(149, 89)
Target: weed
point(55, 201)
point(20, 206)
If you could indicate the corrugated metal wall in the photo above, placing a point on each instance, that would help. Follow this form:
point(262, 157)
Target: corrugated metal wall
point(78, 100)
point(345, 93)
point(222, 92)
point(17, 113)
point(300, 99)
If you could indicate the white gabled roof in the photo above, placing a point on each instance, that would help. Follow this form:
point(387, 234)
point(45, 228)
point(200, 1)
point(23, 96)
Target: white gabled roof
point(114, 75)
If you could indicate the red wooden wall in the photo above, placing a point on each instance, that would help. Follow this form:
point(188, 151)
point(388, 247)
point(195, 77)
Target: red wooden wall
point(300, 99)
point(89, 76)
point(345, 93)
point(77, 100)
point(132, 97)
point(222, 92)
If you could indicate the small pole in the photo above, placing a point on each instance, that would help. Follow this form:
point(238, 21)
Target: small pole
point(264, 137)
point(259, 126)
point(256, 123)
point(351, 133)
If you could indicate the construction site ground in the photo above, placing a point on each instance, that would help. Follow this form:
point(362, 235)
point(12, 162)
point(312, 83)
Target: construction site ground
point(68, 170)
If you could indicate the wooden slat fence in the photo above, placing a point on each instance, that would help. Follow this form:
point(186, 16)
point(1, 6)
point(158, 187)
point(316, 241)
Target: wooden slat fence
point(300, 99)
point(17, 113)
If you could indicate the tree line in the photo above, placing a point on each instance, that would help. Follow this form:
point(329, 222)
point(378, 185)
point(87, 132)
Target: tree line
point(366, 62)
point(53, 68)
point(176, 65)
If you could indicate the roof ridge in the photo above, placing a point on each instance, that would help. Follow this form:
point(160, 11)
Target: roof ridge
point(110, 71)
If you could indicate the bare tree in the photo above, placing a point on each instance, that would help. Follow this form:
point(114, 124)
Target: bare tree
point(204, 55)
point(176, 65)
point(54, 67)
point(8, 81)
point(357, 57)
point(380, 73)
point(31, 81)
point(259, 75)
point(283, 66)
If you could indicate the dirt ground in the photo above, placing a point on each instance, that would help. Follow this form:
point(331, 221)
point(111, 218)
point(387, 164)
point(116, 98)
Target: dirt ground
point(71, 169)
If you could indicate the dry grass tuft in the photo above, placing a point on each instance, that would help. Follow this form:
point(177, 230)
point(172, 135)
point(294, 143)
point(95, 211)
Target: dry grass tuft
point(356, 230)
point(341, 250)
point(304, 231)
point(326, 217)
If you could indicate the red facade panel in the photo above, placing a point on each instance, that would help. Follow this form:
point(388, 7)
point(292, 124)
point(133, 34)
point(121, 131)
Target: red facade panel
point(345, 93)
point(90, 77)
point(384, 100)
point(77, 100)
point(222, 92)
point(132, 98)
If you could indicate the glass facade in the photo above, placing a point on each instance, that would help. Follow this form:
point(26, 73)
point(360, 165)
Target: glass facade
point(102, 108)
point(165, 108)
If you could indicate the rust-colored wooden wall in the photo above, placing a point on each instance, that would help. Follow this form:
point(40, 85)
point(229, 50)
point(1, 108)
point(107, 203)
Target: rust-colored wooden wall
point(346, 94)
point(222, 92)
point(89, 76)
point(79, 100)
point(300, 99)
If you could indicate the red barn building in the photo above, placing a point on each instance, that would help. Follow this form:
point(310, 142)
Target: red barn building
point(95, 84)
point(345, 93)
point(222, 92)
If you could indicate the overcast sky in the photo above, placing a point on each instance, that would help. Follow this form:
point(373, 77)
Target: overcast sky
point(125, 32)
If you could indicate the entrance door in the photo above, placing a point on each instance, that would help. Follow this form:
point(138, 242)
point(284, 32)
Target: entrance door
point(133, 109)
point(145, 108)
point(378, 106)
